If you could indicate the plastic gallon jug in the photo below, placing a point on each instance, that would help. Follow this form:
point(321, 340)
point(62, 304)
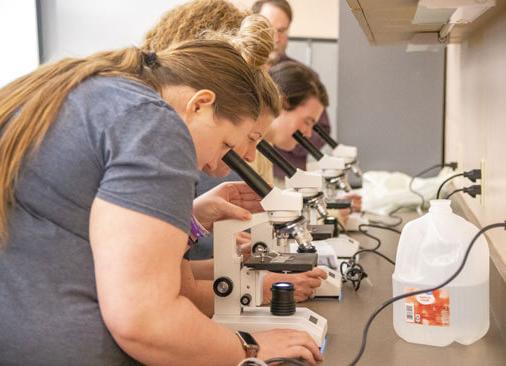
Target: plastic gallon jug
point(430, 250)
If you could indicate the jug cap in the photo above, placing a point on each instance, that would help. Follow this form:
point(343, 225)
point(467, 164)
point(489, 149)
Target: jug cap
point(440, 206)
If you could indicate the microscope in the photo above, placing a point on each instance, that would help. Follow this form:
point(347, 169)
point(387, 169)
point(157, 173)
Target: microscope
point(348, 153)
point(238, 284)
point(332, 247)
point(334, 174)
point(332, 168)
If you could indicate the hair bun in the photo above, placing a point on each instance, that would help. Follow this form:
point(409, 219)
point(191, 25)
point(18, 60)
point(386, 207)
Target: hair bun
point(255, 40)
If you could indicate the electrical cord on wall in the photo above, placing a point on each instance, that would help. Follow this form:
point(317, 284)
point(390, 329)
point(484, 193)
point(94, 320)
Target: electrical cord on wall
point(414, 293)
point(472, 175)
point(473, 191)
point(453, 165)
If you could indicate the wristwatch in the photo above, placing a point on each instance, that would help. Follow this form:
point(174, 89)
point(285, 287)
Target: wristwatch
point(249, 344)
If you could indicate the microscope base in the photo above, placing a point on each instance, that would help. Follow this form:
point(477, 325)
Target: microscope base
point(343, 246)
point(331, 286)
point(256, 319)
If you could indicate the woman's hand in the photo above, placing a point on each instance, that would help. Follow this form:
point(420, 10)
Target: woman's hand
point(243, 242)
point(305, 283)
point(343, 215)
point(356, 201)
point(287, 343)
point(230, 200)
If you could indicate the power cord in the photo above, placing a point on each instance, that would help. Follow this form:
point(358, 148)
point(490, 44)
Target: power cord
point(414, 293)
point(472, 175)
point(287, 361)
point(283, 360)
point(353, 272)
point(473, 191)
point(390, 215)
point(252, 362)
point(453, 165)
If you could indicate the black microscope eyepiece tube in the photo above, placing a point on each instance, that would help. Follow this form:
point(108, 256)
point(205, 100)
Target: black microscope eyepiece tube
point(276, 158)
point(308, 145)
point(252, 179)
point(325, 135)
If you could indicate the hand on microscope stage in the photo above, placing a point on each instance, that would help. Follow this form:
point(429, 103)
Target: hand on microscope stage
point(356, 200)
point(243, 241)
point(305, 283)
point(343, 215)
point(287, 343)
point(230, 200)
point(243, 238)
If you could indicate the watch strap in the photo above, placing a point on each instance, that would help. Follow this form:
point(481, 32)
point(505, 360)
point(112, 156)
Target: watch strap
point(251, 349)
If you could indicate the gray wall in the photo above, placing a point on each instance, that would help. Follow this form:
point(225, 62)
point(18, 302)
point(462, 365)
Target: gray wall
point(390, 101)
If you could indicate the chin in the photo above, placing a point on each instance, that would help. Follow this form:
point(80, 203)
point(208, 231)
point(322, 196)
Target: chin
point(287, 146)
point(217, 173)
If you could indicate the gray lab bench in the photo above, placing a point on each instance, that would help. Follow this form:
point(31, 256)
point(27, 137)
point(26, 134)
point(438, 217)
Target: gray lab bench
point(347, 318)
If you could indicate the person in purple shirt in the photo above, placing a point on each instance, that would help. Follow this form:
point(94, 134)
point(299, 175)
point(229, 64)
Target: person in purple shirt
point(280, 15)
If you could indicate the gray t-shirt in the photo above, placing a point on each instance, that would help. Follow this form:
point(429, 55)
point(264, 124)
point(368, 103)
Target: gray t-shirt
point(114, 139)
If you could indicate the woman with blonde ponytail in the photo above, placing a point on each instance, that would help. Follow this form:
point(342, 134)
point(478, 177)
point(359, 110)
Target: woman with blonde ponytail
point(98, 161)
point(253, 35)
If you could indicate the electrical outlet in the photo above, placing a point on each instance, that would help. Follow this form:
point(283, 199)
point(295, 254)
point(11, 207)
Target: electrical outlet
point(483, 181)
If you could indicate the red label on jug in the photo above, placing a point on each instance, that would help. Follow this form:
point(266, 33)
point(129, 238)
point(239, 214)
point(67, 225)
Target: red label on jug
point(430, 308)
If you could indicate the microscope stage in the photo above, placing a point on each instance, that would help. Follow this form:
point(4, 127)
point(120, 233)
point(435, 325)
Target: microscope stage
point(321, 232)
point(289, 262)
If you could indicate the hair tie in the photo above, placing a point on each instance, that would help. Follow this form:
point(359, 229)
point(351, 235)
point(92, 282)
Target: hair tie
point(150, 59)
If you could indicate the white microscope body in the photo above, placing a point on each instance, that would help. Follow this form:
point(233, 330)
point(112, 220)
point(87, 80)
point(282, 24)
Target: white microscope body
point(331, 251)
point(349, 154)
point(238, 285)
point(332, 170)
point(277, 236)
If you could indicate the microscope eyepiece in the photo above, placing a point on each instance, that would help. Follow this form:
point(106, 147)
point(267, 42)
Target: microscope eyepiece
point(308, 145)
point(325, 135)
point(252, 179)
point(276, 158)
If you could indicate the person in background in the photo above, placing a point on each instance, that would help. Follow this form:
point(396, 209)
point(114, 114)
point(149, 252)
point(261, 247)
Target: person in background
point(280, 15)
point(99, 162)
point(304, 99)
point(198, 19)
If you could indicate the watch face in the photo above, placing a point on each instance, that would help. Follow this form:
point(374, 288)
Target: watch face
point(248, 338)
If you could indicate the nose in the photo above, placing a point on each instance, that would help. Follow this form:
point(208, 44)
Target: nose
point(250, 154)
point(307, 132)
point(213, 163)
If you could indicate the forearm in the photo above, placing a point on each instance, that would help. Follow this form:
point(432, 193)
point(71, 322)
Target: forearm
point(202, 295)
point(179, 334)
point(203, 269)
point(200, 292)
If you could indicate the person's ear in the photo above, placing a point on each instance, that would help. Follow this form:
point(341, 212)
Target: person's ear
point(202, 100)
point(285, 104)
